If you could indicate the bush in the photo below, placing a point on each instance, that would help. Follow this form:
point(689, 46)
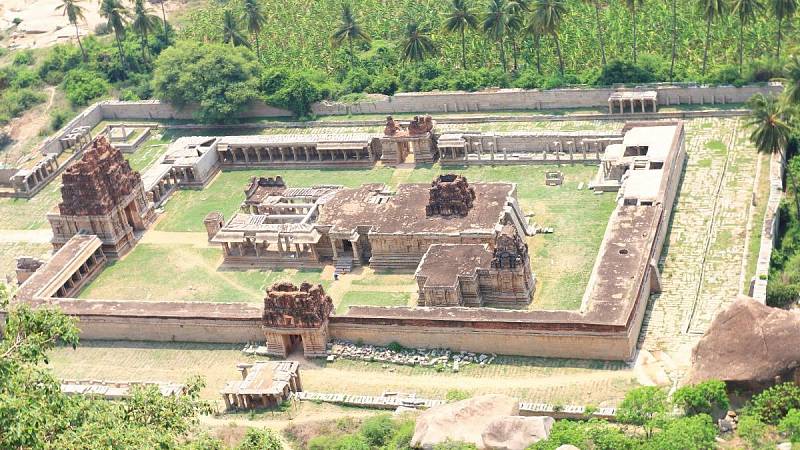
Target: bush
point(751, 430)
point(272, 79)
point(24, 58)
point(16, 20)
point(384, 83)
point(297, 95)
point(726, 75)
point(82, 86)
point(454, 395)
point(494, 78)
point(623, 72)
point(780, 294)
point(764, 70)
point(59, 118)
point(14, 102)
point(466, 80)
point(529, 79)
point(643, 406)
point(454, 445)
point(24, 78)
point(356, 80)
point(772, 405)
point(377, 430)
point(790, 425)
point(695, 432)
point(263, 439)
point(703, 398)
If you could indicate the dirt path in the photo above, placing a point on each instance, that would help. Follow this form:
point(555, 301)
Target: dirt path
point(196, 239)
point(27, 127)
point(41, 236)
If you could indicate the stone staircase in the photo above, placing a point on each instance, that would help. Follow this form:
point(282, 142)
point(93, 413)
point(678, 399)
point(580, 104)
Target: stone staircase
point(344, 265)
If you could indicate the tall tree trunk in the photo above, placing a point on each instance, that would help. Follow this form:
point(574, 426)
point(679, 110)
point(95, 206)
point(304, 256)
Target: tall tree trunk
point(705, 48)
point(537, 40)
point(780, 35)
point(352, 53)
point(741, 41)
point(600, 36)
point(119, 47)
point(558, 52)
point(503, 55)
point(515, 51)
point(674, 39)
point(80, 44)
point(144, 47)
point(463, 50)
point(164, 24)
point(258, 48)
point(633, 11)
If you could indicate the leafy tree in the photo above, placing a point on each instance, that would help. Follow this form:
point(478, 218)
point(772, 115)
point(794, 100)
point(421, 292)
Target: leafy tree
point(792, 81)
point(631, 5)
point(220, 80)
point(298, 93)
point(117, 17)
point(515, 25)
point(495, 24)
point(770, 132)
point(674, 46)
point(695, 432)
point(143, 23)
point(623, 72)
point(599, 29)
point(711, 10)
point(745, 11)
point(349, 30)
point(643, 406)
point(255, 439)
point(782, 10)
point(74, 12)
point(549, 14)
point(81, 86)
point(702, 398)
point(163, 20)
point(533, 28)
point(230, 30)
point(254, 18)
point(417, 44)
point(460, 18)
point(773, 404)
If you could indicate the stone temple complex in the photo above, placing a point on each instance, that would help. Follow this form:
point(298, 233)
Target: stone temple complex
point(296, 317)
point(103, 196)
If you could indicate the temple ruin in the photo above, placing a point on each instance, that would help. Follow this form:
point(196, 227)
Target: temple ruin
point(264, 384)
point(296, 318)
point(103, 196)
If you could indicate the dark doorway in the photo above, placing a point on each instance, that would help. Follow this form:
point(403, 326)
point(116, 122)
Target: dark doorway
point(347, 247)
point(295, 344)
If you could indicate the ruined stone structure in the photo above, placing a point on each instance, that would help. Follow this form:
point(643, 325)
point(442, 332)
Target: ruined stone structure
point(117, 390)
point(27, 266)
point(303, 150)
point(264, 384)
point(296, 318)
point(189, 163)
point(291, 227)
point(476, 275)
point(101, 195)
point(418, 139)
point(633, 102)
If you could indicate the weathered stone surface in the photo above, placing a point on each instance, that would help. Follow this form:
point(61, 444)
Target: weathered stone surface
point(747, 342)
point(462, 421)
point(286, 305)
point(450, 195)
point(97, 183)
point(516, 432)
point(510, 250)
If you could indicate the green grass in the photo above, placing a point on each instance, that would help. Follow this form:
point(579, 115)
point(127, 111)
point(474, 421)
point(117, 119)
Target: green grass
point(29, 214)
point(186, 209)
point(368, 298)
point(147, 154)
point(181, 272)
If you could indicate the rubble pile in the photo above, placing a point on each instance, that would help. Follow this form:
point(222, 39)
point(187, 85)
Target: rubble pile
point(445, 359)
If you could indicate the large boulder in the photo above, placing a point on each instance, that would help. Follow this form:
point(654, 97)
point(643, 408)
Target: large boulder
point(463, 421)
point(748, 342)
point(516, 432)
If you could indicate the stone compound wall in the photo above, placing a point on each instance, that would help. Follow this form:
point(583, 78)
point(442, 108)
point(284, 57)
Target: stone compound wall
point(520, 99)
point(769, 229)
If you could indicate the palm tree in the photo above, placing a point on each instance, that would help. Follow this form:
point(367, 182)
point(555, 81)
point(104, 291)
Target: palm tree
point(599, 25)
point(254, 18)
point(74, 12)
point(495, 26)
point(549, 14)
point(631, 5)
point(163, 19)
point(770, 133)
point(143, 23)
point(515, 24)
point(711, 9)
point(459, 19)
point(782, 10)
point(230, 30)
point(674, 8)
point(116, 14)
point(349, 30)
point(534, 28)
point(746, 11)
point(417, 44)
point(792, 81)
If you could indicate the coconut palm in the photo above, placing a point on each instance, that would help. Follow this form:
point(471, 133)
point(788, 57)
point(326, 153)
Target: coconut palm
point(792, 82)
point(770, 132)
point(143, 23)
point(534, 29)
point(782, 10)
point(117, 17)
point(74, 12)
point(230, 30)
point(631, 5)
point(459, 19)
point(417, 44)
point(254, 18)
point(349, 30)
point(515, 25)
point(746, 11)
point(163, 19)
point(711, 9)
point(599, 29)
point(674, 8)
point(495, 26)
point(549, 14)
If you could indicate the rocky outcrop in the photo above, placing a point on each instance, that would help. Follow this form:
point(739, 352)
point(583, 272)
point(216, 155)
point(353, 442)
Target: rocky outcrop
point(488, 422)
point(516, 432)
point(748, 343)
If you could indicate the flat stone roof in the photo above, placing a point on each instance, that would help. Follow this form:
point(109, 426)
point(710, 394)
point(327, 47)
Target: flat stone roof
point(444, 263)
point(263, 377)
point(157, 310)
point(297, 139)
point(52, 273)
point(404, 211)
point(658, 140)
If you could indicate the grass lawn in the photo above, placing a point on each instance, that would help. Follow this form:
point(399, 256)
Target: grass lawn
point(10, 251)
point(186, 209)
point(29, 214)
point(147, 154)
point(183, 272)
point(371, 298)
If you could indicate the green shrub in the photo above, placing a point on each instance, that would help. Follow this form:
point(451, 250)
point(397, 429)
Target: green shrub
point(454, 445)
point(703, 398)
point(790, 425)
point(695, 432)
point(623, 72)
point(454, 395)
point(255, 439)
point(396, 347)
point(272, 79)
point(780, 294)
point(772, 405)
point(384, 83)
point(565, 432)
point(643, 406)
point(529, 79)
point(24, 78)
point(751, 430)
point(24, 58)
point(16, 20)
point(297, 95)
point(82, 86)
point(14, 102)
point(402, 436)
point(493, 78)
point(356, 80)
point(726, 75)
point(378, 430)
point(59, 118)
point(763, 70)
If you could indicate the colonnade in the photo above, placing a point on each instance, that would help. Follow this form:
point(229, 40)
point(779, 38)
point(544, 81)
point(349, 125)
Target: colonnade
point(619, 104)
point(75, 281)
point(40, 173)
point(257, 155)
point(581, 150)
